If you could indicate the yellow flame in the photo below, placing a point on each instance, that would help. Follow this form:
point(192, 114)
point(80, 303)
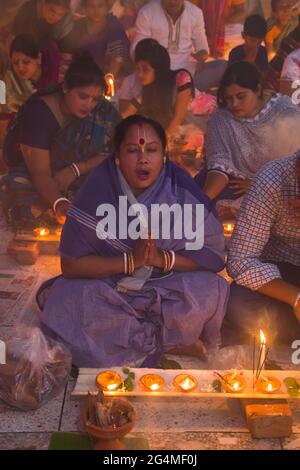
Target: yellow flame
point(154, 387)
point(41, 232)
point(112, 387)
point(236, 386)
point(269, 387)
point(262, 338)
point(187, 383)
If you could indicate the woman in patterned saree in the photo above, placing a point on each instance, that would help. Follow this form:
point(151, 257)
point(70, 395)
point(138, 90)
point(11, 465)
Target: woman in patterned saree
point(247, 131)
point(56, 139)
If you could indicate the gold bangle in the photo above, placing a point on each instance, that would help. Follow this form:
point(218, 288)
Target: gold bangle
point(129, 265)
point(166, 261)
point(169, 260)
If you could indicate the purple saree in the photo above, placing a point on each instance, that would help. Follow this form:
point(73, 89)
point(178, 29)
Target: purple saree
point(103, 326)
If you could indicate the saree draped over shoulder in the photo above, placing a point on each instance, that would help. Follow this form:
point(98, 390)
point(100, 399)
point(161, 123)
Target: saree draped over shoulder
point(110, 322)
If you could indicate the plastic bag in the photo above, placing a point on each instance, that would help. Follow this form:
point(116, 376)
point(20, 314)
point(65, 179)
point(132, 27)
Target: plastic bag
point(36, 369)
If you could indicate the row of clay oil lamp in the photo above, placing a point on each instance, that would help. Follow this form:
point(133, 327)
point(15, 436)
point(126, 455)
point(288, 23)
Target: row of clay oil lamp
point(233, 383)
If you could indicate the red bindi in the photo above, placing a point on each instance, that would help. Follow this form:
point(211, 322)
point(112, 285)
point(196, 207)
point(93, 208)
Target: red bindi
point(142, 141)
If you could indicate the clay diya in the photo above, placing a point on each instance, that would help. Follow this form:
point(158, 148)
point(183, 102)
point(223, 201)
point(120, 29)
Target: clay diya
point(233, 383)
point(41, 232)
point(268, 384)
point(108, 381)
point(185, 382)
point(152, 382)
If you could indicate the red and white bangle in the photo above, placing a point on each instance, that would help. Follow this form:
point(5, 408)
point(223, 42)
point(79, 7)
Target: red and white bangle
point(57, 201)
point(75, 169)
point(297, 300)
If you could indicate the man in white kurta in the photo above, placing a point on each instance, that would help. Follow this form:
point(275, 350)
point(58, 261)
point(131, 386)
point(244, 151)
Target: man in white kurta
point(178, 25)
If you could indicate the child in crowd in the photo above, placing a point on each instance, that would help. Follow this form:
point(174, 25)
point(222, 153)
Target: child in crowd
point(255, 29)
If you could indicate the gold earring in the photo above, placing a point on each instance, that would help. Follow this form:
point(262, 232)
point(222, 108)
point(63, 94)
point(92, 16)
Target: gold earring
point(164, 159)
point(117, 162)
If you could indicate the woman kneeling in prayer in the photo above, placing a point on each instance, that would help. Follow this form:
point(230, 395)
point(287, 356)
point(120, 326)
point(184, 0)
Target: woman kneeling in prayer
point(57, 138)
point(264, 257)
point(249, 130)
point(132, 289)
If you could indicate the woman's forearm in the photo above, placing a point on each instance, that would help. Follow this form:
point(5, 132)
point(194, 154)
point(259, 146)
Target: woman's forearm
point(183, 264)
point(88, 165)
point(47, 188)
point(92, 267)
point(280, 290)
point(214, 184)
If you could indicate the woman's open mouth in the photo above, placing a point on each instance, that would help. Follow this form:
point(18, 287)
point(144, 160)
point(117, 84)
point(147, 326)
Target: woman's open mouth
point(143, 174)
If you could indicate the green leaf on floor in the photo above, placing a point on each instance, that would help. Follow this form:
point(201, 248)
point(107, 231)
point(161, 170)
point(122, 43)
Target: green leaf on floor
point(217, 386)
point(292, 386)
point(80, 441)
point(128, 383)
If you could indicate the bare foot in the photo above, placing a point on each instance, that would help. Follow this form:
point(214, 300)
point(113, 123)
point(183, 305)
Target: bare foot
point(196, 349)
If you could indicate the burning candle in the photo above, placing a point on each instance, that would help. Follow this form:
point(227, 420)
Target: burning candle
point(109, 380)
point(152, 382)
point(263, 345)
point(109, 78)
point(268, 384)
point(228, 229)
point(41, 232)
point(185, 383)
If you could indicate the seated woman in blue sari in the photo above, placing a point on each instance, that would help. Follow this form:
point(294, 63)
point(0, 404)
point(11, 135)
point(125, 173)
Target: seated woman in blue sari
point(126, 296)
point(57, 138)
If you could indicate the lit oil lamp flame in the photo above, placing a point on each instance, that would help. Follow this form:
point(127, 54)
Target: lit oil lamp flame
point(236, 386)
point(108, 380)
point(185, 383)
point(41, 232)
point(152, 382)
point(268, 384)
point(154, 387)
point(111, 387)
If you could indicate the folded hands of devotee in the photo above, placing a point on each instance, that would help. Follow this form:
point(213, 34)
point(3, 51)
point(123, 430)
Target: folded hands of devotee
point(240, 185)
point(146, 253)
